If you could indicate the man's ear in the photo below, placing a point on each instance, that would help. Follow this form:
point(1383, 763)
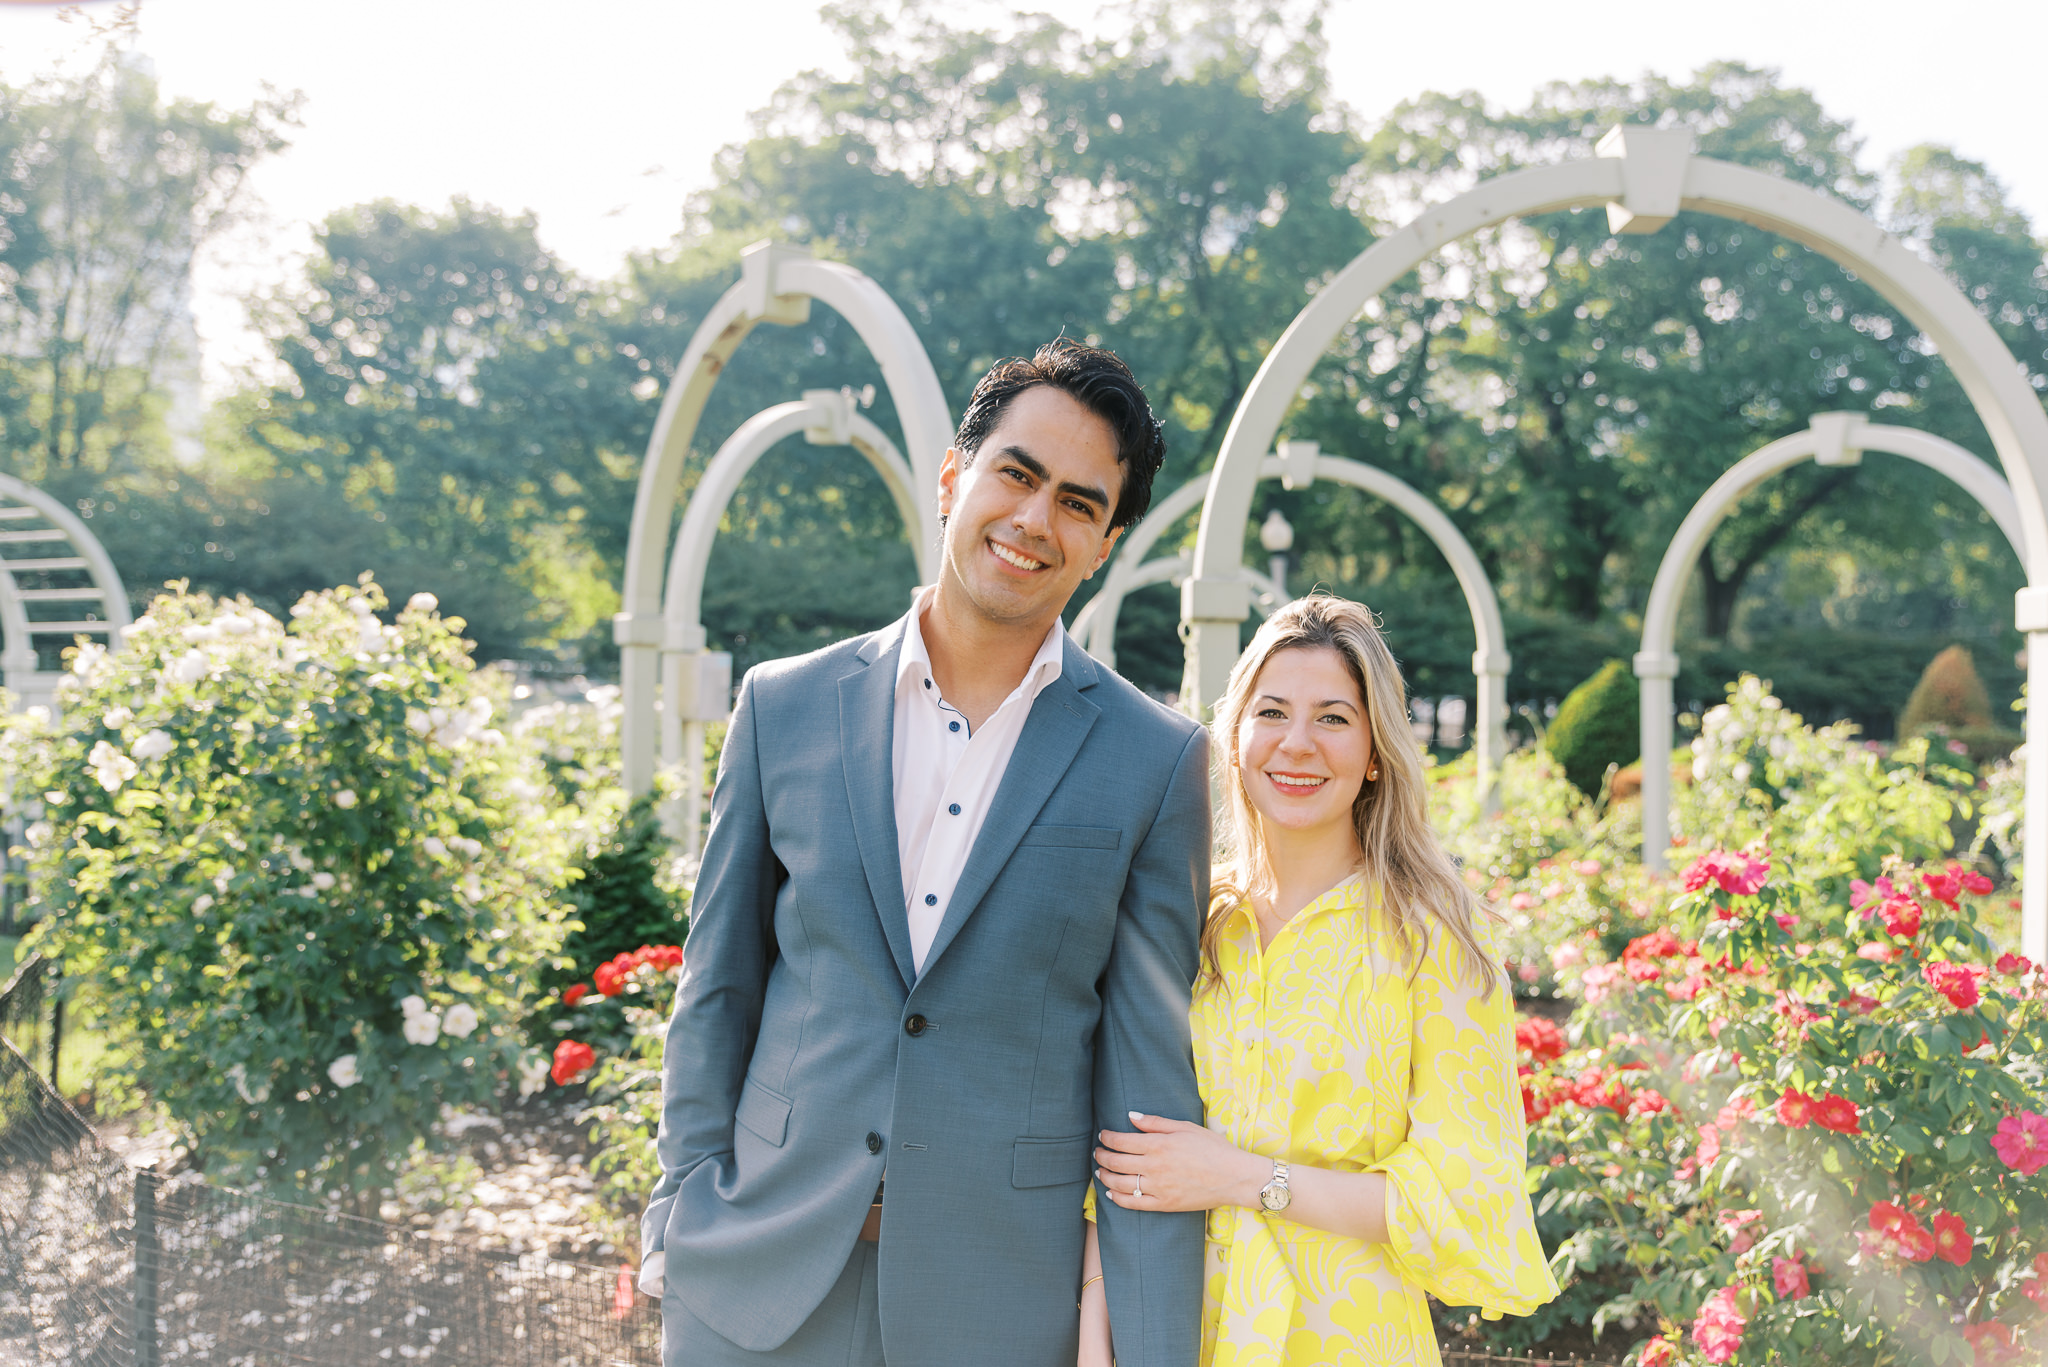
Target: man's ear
point(949, 480)
point(1102, 552)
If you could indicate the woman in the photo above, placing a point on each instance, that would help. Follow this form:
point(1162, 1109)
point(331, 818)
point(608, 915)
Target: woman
point(1353, 1035)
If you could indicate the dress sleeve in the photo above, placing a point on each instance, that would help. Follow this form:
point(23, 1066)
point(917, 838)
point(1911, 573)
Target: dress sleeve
point(1459, 1222)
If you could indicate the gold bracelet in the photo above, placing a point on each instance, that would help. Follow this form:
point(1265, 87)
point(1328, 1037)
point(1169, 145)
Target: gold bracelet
point(1085, 1285)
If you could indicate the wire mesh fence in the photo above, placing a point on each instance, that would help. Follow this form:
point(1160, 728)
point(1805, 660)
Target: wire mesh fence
point(103, 1265)
point(32, 1014)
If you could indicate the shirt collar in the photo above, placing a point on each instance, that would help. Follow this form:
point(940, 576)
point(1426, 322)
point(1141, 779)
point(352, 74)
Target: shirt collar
point(914, 661)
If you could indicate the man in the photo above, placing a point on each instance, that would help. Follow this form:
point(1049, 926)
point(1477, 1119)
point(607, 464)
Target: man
point(944, 930)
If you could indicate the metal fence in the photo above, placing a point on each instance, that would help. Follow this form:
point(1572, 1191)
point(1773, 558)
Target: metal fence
point(101, 1265)
point(32, 1014)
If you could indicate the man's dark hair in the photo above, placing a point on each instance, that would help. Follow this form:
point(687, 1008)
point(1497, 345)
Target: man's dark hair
point(1102, 384)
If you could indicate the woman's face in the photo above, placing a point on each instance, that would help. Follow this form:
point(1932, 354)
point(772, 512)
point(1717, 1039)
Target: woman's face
point(1305, 744)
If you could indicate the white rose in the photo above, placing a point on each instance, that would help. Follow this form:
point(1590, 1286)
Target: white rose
point(343, 1071)
point(201, 631)
point(372, 641)
point(423, 1028)
point(323, 880)
point(191, 667)
point(418, 722)
point(1741, 772)
point(422, 602)
point(345, 799)
point(110, 766)
point(459, 1020)
point(359, 606)
point(153, 745)
point(309, 891)
point(463, 845)
point(533, 1074)
point(40, 833)
point(433, 845)
point(202, 904)
point(117, 718)
point(234, 624)
point(413, 1006)
point(86, 663)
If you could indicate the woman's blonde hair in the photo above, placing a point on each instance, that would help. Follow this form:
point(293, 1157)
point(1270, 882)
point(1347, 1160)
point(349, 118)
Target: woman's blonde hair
point(1419, 885)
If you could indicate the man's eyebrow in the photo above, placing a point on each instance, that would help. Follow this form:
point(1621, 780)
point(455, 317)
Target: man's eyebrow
point(1039, 472)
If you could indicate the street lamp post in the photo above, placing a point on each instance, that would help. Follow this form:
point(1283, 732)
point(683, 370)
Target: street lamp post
point(1276, 534)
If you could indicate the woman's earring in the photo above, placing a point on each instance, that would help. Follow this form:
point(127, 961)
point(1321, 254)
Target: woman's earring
point(1372, 775)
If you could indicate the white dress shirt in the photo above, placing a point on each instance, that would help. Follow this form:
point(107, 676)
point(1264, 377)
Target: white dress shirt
point(946, 775)
point(946, 772)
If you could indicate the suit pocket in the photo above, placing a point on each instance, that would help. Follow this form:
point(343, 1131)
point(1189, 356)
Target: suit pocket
point(1051, 1162)
point(1074, 837)
point(764, 1112)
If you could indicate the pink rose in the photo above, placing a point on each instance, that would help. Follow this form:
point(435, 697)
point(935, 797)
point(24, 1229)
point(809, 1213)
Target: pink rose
point(2022, 1142)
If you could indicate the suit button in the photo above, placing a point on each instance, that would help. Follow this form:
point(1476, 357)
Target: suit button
point(914, 1026)
point(874, 1142)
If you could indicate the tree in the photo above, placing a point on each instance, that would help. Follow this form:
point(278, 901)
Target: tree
point(106, 195)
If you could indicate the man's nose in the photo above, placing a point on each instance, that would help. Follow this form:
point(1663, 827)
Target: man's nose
point(1033, 515)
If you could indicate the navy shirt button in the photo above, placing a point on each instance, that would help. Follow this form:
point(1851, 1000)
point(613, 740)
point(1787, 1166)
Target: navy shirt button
point(952, 726)
point(954, 809)
point(931, 899)
point(874, 1142)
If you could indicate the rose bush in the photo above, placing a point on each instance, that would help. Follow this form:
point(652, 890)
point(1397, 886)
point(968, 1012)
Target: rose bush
point(1803, 1128)
point(305, 869)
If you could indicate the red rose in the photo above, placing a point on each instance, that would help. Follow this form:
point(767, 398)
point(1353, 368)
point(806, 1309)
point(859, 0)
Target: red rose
point(1957, 982)
point(575, 993)
point(1838, 1113)
point(572, 1060)
point(2018, 965)
point(1943, 887)
point(1901, 916)
point(1658, 1353)
point(1540, 1039)
point(1795, 1110)
point(1788, 1277)
point(1952, 1238)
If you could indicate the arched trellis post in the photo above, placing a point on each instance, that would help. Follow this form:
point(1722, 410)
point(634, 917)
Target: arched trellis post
point(697, 683)
point(777, 284)
point(1645, 177)
point(1165, 569)
point(77, 591)
point(1833, 439)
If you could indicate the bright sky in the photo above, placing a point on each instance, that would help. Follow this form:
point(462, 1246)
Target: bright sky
point(603, 117)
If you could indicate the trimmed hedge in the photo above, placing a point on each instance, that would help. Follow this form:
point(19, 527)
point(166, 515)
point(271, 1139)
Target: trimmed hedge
point(1598, 724)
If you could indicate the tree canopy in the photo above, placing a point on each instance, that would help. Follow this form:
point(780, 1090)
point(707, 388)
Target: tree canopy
point(463, 413)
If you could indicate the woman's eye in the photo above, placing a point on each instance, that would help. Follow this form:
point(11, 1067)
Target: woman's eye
point(1333, 718)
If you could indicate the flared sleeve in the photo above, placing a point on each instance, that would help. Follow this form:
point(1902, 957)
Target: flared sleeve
point(1459, 1222)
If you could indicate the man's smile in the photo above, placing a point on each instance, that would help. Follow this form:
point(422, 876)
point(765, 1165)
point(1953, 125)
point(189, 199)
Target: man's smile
point(1014, 557)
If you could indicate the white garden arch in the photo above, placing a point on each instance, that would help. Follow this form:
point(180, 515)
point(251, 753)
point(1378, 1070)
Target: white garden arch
point(1645, 177)
point(77, 591)
point(1165, 569)
point(1833, 439)
point(697, 684)
point(777, 284)
point(1298, 464)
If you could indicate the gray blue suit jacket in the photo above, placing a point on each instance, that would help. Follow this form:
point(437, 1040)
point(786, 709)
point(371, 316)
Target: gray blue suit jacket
point(806, 1055)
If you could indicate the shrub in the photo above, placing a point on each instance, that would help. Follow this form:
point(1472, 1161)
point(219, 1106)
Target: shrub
point(305, 869)
point(1598, 724)
point(1949, 695)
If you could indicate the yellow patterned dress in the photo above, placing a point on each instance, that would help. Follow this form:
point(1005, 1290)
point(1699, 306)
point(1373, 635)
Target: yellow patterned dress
point(1324, 1050)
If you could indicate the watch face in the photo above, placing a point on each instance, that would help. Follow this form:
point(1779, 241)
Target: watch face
point(1274, 1197)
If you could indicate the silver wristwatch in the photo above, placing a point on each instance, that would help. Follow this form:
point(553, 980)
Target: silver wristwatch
point(1274, 1195)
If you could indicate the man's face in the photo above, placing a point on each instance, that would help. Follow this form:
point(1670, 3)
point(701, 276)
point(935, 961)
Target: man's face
point(1029, 519)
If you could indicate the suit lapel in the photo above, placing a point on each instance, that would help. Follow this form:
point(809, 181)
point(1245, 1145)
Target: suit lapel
point(1060, 720)
point(867, 732)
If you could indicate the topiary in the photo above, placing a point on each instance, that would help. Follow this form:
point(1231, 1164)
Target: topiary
point(1949, 695)
point(1599, 723)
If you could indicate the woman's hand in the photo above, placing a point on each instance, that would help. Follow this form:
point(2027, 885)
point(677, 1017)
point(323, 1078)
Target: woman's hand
point(1176, 1165)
